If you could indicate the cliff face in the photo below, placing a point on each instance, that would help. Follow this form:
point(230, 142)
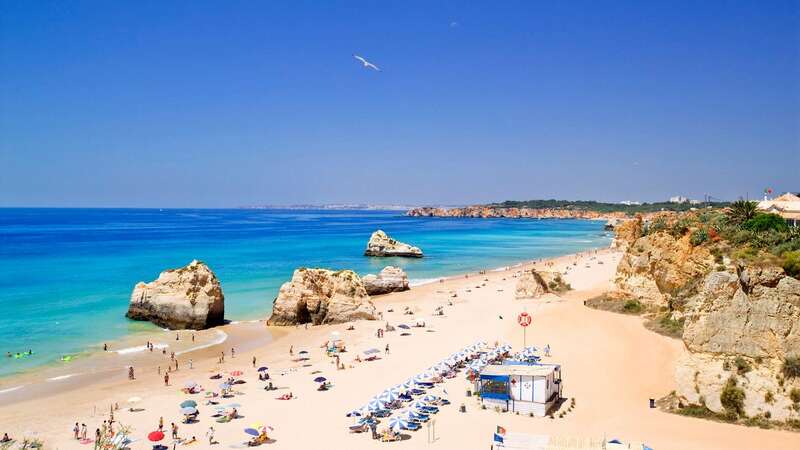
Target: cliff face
point(382, 245)
point(513, 213)
point(753, 316)
point(658, 266)
point(321, 296)
point(390, 279)
point(740, 322)
point(186, 298)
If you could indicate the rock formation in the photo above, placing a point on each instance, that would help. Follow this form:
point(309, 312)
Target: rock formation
point(382, 245)
point(321, 296)
point(186, 298)
point(657, 266)
point(626, 232)
point(390, 279)
point(534, 284)
point(484, 211)
point(752, 315)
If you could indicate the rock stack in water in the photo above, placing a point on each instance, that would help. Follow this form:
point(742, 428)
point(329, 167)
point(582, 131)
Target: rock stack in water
point(186, 298)
point(382, 245)
point(534, 284)
point(321, 296)
point(390, 279)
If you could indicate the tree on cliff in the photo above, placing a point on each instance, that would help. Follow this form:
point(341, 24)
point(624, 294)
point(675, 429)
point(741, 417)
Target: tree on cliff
point(741, 211)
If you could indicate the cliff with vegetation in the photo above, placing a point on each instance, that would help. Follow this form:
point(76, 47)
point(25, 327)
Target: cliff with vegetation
point(726, 282)
point(555, 209)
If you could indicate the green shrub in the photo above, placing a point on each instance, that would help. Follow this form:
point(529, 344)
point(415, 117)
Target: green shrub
point(791, 263)
point(765, 222)
point(791, 367)
point(795, 395)
point(680, 227)
point(632, 306)
point(742, 366)
point(732, 398)
point(769, 397)
point(698, 237)
point(657, 225)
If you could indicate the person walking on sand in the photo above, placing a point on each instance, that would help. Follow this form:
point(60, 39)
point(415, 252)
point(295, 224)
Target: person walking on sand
point(387, 349)
point(166, 379)
point(130, 373)
point(291, 350)
point(192, 337)
point(222, 357)
point(174, 430)
point(254, 361)
point(161, 423)
point(233, 352)
point(84, 431)
point(190, 363)
point(97, 436)
point(76, 431)
point(210, 435)
point(547, 350)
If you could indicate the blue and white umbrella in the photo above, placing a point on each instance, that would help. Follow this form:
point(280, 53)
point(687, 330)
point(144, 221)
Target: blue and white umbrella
point(375, 405)
point(388, 397)
point(419, 404)
point(429, 398)
point(189, 410)
point(397, 423)
point(354, 413)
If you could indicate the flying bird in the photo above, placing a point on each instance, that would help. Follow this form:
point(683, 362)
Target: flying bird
point(366, 63)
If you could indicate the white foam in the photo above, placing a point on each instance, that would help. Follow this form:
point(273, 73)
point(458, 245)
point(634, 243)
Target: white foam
point(12, 389)
point(140, 348)
point(221, 337)
point(422, 281)
point(62, 377)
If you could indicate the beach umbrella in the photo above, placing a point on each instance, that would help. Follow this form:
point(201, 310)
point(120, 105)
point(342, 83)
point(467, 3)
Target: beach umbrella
point(134, 399)
point(155, 436)
point(237, 373)
point(389, 397)
point(320, 380)
point(303, 352)
point(375, 405)
point(224, 386)
point(429, 398)
point(188, 404)
point(189, 410)
point(397, 423)
point(404, 326)
point(251, 431)
point(354, 413)
point(262, 369)
point(189, 384)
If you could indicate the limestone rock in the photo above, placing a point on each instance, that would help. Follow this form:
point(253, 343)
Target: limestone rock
point(382, 245)
point(321, 296)
point(626, 231)
point(390, 279)
point(658, 266)
point(186, 298)
point(534, 284)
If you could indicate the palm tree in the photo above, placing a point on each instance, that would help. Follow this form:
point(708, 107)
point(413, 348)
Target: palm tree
point(741, 211)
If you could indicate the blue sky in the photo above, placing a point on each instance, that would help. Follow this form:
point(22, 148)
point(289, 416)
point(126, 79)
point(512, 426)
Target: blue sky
point(213, 104)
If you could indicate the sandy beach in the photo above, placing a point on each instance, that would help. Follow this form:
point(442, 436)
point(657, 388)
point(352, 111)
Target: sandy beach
point(611, 366)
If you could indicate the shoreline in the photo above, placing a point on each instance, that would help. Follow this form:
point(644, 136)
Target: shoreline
point(39, 382)
point(606, 380)
point(136, 339)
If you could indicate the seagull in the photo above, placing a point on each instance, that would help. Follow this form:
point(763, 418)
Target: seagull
point(366, 63)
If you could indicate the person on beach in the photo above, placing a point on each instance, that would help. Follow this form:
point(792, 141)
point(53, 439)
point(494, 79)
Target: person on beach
point(192, 337)
point(161, 423)
point(105, 347)
point(254, 361)
point(5, 438)
point(291, 350)
point(76, 431)
point(177, 336)
point(222, 357)
point(387, 349)
point(233, 352)
point(84, 431)
point(159, 370)
point(190, 363)
point(130, 373)
point(547, 350)
point(97, 437)
point(166, 379)
point(176, 364)
point(210, 435)
point(174, 430)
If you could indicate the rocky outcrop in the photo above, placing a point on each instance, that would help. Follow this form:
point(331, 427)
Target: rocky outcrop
point(381, 244)
point(752, 315)
point(626, 232)
point(186, 298)
point(658, 266)
point(534, 284)
point(390, 279)
point(321, 296)
point(513, 213)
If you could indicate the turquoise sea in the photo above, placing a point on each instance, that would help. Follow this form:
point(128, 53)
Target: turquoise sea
point(66, 274)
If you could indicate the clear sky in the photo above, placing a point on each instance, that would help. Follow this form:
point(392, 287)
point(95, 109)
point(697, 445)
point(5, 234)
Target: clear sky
point(213, 104)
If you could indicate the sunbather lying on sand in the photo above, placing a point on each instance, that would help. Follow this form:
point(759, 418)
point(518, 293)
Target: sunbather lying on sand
point(288, 396)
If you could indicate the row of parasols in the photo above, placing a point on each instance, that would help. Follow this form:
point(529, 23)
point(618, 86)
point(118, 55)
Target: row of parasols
point(416, 385)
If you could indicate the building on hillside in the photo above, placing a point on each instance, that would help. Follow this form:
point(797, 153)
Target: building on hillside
point(524, 388)
point(678, 199)
point(786, 206)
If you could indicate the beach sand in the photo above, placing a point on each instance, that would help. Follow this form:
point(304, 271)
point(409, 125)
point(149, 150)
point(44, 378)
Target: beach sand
point(610, 363)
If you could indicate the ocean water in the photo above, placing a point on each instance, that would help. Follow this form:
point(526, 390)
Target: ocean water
point(66, 274)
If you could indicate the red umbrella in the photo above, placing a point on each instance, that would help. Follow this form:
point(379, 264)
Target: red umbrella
point(155, 436)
